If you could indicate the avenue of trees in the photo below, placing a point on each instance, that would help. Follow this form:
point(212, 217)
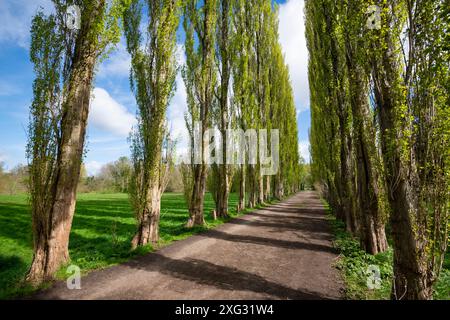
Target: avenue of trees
point(235, 76)
point(380, 135)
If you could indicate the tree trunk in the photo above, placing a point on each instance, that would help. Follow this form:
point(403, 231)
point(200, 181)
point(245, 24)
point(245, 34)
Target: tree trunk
point(241, 203)
point(51, 249)
point(369, 189)
point(411, 276)
point(252, 186)
point(279, 190)
point(267, 190)
point(260, 188)
point(224, 42)
point(148, 229)
point(223, 192)
point(196, 217)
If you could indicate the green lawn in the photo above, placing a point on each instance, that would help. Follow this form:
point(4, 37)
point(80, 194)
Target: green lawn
point(101, 233)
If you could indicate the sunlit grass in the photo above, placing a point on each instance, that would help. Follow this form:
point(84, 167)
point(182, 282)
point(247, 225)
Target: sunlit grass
point(101, 233)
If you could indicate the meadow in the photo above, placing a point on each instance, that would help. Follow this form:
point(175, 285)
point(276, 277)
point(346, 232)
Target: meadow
point(103, 227)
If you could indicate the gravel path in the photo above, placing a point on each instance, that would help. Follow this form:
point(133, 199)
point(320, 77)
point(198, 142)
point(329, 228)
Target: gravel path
point(280, 252)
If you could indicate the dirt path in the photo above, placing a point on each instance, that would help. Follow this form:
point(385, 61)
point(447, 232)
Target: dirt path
point(281, 252)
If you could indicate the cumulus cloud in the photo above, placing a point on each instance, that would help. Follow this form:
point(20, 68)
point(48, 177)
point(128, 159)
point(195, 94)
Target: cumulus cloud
point(108, 115)
point(93, 167)
point(16, 16)
point(293, 41)
point(303, 148)
point(8, 89)
point(118, 63)
point(2, 157)
point(177, 109)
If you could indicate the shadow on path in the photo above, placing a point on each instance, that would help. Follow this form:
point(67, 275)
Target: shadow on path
point(226, 278)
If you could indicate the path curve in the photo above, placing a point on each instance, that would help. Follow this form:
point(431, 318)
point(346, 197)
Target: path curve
point(280, 252)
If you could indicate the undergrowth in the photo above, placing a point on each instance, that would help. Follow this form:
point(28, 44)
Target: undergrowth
point(356, 265)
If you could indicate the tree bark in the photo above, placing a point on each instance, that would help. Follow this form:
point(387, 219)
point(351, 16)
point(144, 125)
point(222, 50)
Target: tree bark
point(148, 228)
point(260, 188)
point(241, 203)
point(267, 189)
point(252, 186)
point(196, 217)
point(369, 189)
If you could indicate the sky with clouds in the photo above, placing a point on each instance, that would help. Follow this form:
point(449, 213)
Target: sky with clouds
point(113, 108)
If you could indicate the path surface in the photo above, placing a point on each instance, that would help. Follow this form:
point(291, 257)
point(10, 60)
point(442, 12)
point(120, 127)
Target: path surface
point(281, 252)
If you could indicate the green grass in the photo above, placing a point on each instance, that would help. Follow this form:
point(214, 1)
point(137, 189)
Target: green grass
point(354, 262)
point(101, 233)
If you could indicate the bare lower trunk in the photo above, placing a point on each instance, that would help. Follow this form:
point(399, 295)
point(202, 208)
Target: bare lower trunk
point(260, 188)
point(279, 190)
point(196, 217)
point(241, 204)
point(51, 248)
point(148, 228)
point(267, 190)
point(411, 276)
point(222, 192)
point(252, 187)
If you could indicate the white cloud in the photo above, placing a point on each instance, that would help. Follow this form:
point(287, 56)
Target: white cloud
point(7, 89)
point(293, 41)
point(108, 115)
point(93, 167)
point(303, 148)
point(16, 16)
point(3, 157)
point(118, 63)
point(177, 109)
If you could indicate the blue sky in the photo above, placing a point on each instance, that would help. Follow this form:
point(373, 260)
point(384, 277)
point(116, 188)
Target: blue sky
point(113, 107)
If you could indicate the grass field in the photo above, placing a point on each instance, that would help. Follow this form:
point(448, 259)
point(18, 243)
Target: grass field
point(101, 233)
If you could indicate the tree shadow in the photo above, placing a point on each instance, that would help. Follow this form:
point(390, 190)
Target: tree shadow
point(15, 224)
point(270, 242)
point(12, 273)
point(222, 277)
point(311, 228)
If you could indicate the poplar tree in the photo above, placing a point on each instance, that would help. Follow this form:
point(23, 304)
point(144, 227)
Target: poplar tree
point(222, 172)
point(199, 75)
point(64, 60)
point(152, 78)
point(411, 94)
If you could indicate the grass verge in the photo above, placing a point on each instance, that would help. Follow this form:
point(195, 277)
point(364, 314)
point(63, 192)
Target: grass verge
point(355, 266)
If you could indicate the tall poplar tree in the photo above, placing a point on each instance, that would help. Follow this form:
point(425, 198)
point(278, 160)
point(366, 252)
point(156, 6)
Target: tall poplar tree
point(64, 61)
point(153, 82)
point(199, 75)
point(222, 172)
